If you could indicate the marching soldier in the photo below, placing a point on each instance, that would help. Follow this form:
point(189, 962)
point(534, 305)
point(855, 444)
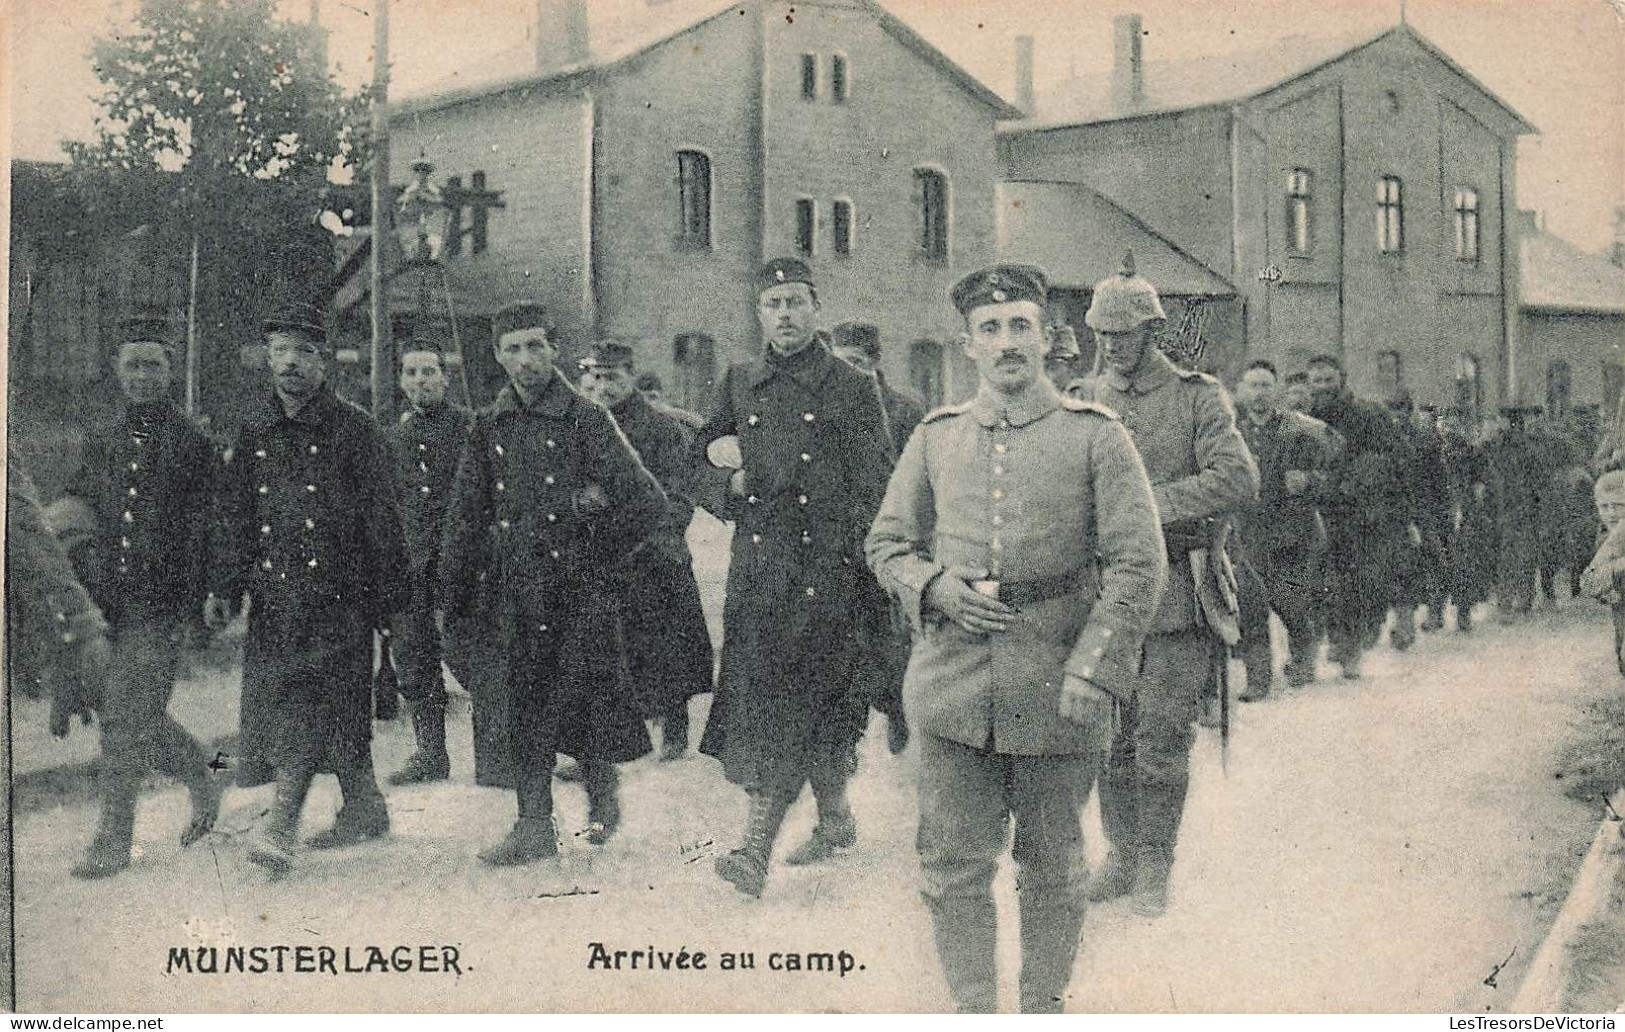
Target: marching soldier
point(1020, 533)
point(858, 345)
point(653, 390)
point(1200, 470)
point(426, 443)
point(1470, 544)
point(789, 706)
point(1516, 462)
point(1061, 355)
point(148, 477)
point(569, 502)
point(310, 530)
point(668, 648)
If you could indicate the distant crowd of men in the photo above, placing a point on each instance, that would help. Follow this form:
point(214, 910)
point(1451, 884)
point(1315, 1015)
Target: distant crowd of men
point(1040, 586)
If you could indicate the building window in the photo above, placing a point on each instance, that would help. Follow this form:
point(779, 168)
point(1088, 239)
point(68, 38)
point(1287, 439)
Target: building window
point(925, 371)
point(1391, 375)
point(806, 225)
point(837, 79)
point(931, 186)
point(1469, 388)
point(694, 357)
point(809, 76)
point(1297, 213)
point(1467, 224)
point(1559, 389)
point(480, 230)
point(694, 200)
point(1390, 215)
point(841, 227)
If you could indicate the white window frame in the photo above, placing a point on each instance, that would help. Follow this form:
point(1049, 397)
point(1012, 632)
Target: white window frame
point(1300, 213)
point(1468, 225)
point(1391, 215)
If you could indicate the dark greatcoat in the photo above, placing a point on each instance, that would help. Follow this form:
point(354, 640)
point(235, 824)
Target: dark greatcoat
point(1474, 538)
point(426, 447)
point(811, 436)
point(553, 570)
point(668, 649)
point(308, 525)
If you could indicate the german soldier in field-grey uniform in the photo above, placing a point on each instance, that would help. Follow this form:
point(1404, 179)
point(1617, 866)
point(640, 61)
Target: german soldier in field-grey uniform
point(310, 530)
point(1200, 469)
point(149, 478)
point(426, 444)
point(1020, 534)
point(668, 648)
point(789, 706)
point(570, 503)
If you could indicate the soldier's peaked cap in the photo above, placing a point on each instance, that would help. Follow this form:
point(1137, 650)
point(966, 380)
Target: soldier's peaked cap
point(609, 354)
point(521, 315)
point(145, 326)
point(861, 335)
point(297, 314)
point(999, 284)
point(780, 271)
point(1123, 301)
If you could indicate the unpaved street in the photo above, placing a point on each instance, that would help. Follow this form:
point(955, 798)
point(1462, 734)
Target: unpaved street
point(1376, 845)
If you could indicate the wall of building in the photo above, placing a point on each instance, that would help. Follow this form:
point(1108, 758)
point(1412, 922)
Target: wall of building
point(699, 91)
point(901, 113)
point(1589, 343)
point(1171, 171)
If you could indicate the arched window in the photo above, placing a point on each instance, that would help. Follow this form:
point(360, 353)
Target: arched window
point(694, 356)
point(694, 200)
point(931, 223)
point(925, 371)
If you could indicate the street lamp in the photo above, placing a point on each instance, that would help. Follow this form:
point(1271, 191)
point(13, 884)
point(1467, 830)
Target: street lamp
point(421, 217)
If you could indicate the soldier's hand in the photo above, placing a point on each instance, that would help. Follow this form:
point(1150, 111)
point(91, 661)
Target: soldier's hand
point(216, 613)
point(736, 484)
point(95, 659)
point(952, 596)
point(1297, 481)
point(1415, 535)
point(1085, 703)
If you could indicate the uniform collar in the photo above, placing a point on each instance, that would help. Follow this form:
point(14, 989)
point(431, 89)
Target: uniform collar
point(315, 412)
point(810, 366)
point(993, 409)
point(1155, 371)
point(554, 399)
point(149, 415)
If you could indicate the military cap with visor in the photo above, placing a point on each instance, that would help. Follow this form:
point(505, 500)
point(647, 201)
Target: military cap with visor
point(1000, 284)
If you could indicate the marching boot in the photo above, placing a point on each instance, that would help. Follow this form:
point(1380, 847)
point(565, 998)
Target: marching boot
point(532, 837)
point(966, 932)
point(674, 733)
point(1464, 618)
point(836, 827)
point(602, 782)
point(1120, 820)
point(363, 814)
point(1117, 877)
point(1434, 620)
point(273, 847)
point(429, 762)
point(1403, 636)
point(1050, 925)
point(746, 867)
point(205, 793)
point(386, 689)
point(1150, 896)
point(109, 850)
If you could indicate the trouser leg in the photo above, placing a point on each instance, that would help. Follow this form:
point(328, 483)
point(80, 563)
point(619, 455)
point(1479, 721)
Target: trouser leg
point(416, 650)
point(964, 816)
point(1176, 665)
point(1256, 654)
point(1046, 795)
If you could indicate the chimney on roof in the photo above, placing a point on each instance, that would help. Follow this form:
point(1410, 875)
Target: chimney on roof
point(1128, 62)
point(561, 34)
point(1024, 74)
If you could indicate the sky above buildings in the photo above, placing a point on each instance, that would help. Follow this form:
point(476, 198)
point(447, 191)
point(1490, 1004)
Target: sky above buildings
point(1560, 63)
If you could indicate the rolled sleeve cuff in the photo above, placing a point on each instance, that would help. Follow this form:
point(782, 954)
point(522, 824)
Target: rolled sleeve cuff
point(1106, 657)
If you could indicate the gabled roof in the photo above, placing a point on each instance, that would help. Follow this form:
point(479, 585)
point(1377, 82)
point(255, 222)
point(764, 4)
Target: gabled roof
point(622, 30)
point(1556, 276)
point(1078, 237)
point(1220, 79)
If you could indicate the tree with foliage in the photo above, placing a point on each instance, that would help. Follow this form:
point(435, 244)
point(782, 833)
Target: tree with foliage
point(218, 124)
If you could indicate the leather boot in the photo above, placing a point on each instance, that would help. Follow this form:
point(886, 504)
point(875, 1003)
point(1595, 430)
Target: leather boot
point(531, 839)
point(1464, 618)
point(363, 815)
point(966, 932)
point(674, 733)
point(429, 762)
point(1117, 877)
point(386, 689)
point(1150, 896)
point(836, 827)
point(746, 867)
point(273, 847)
point(109, 850)
point(602, 783)
point(1403, 636)
point(204, 792)
point(1050, 925)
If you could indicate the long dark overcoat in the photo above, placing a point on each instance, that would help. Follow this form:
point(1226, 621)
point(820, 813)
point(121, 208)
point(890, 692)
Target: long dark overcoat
point(309, 526)
point(813, 444)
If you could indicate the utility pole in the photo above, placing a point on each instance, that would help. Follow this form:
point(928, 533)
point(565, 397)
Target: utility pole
point(382, 348)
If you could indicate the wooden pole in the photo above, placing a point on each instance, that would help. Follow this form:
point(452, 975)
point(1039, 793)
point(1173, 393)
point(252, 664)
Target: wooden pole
point(191, 335)
point(381, 204)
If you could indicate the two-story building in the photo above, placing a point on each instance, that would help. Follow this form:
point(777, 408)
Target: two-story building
point(649, 166)
point(1354, 190)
